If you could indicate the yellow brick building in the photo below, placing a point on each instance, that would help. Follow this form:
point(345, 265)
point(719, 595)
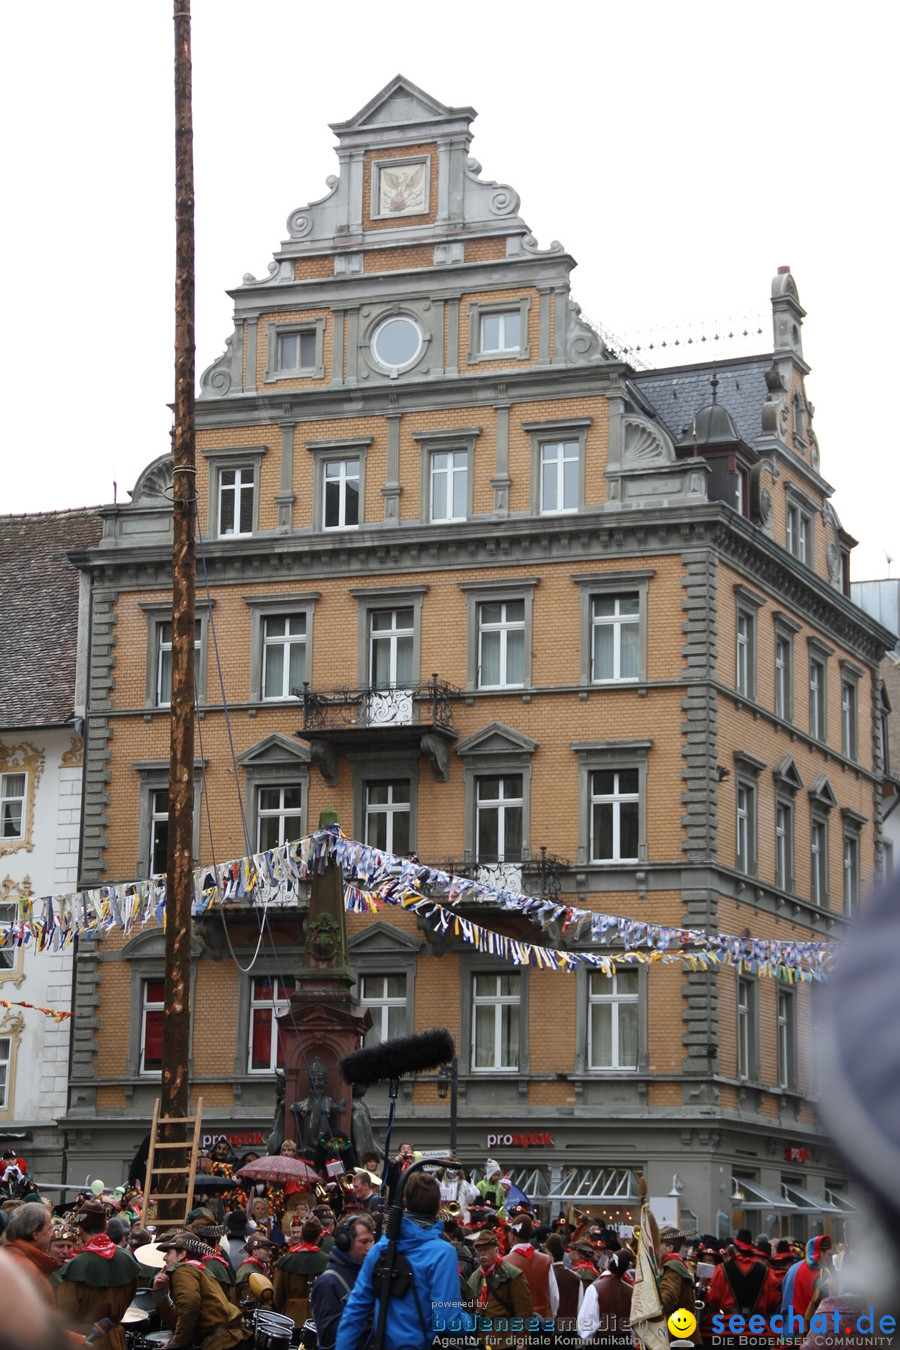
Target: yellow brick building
point(508, 604)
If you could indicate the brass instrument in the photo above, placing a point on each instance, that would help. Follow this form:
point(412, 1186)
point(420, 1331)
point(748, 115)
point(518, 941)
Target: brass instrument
point(450, 1209)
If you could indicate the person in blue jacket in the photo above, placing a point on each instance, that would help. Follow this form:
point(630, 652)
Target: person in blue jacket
point(430, 1303)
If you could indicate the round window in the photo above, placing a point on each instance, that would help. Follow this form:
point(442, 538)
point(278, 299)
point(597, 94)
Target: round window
point(397, 342)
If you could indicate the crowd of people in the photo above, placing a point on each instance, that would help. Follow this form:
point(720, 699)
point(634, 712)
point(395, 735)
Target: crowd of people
point(466, 1262)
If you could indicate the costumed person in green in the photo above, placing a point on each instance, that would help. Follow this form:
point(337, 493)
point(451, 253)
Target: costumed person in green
point(502, 1296)
point(100, 1281)
point(676, 1283)
point(293, 1273)
point(489, 1187)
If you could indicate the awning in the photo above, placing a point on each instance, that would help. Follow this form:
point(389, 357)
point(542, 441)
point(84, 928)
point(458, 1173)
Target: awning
point(841, 1202)
point(807, 1203)
point(758, 1197)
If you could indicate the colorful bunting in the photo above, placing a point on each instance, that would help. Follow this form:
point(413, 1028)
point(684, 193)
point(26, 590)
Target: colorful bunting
point(373, 878)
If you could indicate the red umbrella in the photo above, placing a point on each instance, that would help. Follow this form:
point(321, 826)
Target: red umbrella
point(279, 1169)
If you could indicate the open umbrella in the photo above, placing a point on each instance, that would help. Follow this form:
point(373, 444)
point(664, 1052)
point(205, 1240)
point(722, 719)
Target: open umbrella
point(279, 1169)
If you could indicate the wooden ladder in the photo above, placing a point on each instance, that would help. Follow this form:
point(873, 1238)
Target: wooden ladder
point(152, 1196)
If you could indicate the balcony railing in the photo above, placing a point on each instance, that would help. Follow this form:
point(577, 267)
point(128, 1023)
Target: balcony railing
point(423, 705)
point(539, 874)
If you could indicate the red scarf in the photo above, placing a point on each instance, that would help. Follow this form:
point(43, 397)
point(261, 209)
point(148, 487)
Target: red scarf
point(305, 1247)
point(526, 1248)
point(101, 1245)
point(485, 1276)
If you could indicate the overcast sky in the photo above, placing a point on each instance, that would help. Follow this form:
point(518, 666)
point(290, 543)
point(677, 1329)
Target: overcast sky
point(681, 153)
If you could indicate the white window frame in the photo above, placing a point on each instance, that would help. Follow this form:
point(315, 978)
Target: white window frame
point(480, 593)
point(504, 807)
point(503, 346)
point(8, 955)
point(454, 475)
point(481, 309)
point(784, 843)
point(617, 799)
point(799, 533)
point(604, 991)
point(849, 712)
point(345, 473)
point(500, 1004)
point(455, 442)
point(286, 642)
point(159, 652)
point(786, 1036)
point(159, 818)
point(746, 801)
point(818, 689)
point(597, 585)
point(544, 434)
point(233, 459)
point(382, 1005)
point(8, 799)
point(500, 631)
point(610, 756)
point(6, 1060)
point(556, 459)
point(617, 621)
point(818, 862)
point(290, 818)
point(747, 1025)
point(149, 1006)
point(352, 450)
point(391, 810)
point(277, 1004)
point(240, 494)
point(746, 621)
point(394, 640)
point(852, 866)
point(276, 331)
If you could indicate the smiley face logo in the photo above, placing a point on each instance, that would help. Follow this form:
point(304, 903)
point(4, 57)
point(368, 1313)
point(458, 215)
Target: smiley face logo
point(682, 1323)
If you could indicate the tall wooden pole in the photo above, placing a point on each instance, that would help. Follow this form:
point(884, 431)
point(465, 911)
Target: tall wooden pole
point(177, 1026)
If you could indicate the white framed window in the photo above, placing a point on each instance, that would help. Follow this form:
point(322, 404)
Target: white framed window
point(849, 716)
point(784, 844)
point(279, 815)
point(237, 487)
point(159, 830)
point(295, 350)
point(747, 1029)
point(615, 815)
point(397, 343)
point(798, 527)
point(818, 846)
point(340, 494)
point(13, 789)
point(385, 998)
point(786, 1037)
point(269, 1000)
point(283, 654)
point(501, 644)
point(851, 870)
point(613, 1020)
point(615, 637)
point(500, 811)
point(5, 1063)
point(817, 699)
point(495, 1021)
point(388, 815)
point(153, 1005)
point(449, 494)
point(748, 606)
point(501, 330)
point(164, 660)
point(560, 469)
point(392, 647)
point(783, 677)
point(498, 329)
point(8, 913)
point(745, 859)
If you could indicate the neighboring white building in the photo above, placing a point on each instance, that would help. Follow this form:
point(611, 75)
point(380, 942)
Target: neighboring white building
point(41, 768)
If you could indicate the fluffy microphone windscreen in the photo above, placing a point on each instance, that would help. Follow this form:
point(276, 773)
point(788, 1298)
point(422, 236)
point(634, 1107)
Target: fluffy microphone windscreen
point(392, 1059)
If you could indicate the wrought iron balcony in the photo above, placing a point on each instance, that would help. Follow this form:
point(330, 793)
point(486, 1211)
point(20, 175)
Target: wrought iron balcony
point(425, 705)
point(412, 718)
point(539, 874)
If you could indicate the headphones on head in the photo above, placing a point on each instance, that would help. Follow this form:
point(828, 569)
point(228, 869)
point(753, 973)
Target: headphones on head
point(343, 1234)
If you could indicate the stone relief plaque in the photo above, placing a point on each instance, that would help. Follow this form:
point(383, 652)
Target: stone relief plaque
point(401, 187)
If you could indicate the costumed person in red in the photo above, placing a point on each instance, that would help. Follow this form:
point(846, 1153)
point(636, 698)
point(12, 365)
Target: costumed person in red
point(293, 1273)
point(812, 1282)
point(100, 1281)
point(581, 1254)
point(743, 1284)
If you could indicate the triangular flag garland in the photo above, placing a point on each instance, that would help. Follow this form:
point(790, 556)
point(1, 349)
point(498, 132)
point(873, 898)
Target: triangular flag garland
point(373, 878)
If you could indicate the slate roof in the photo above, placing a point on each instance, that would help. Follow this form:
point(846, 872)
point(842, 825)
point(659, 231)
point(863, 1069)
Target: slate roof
point(678, 392)
point(39, 614)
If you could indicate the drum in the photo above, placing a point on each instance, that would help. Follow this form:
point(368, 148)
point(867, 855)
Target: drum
point(271, 1330)
point(308, 1337)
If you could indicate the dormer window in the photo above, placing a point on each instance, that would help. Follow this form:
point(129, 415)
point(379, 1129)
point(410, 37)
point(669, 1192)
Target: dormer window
point(501, 332)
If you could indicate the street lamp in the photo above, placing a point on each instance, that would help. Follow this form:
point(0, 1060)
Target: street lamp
point(447, 1080)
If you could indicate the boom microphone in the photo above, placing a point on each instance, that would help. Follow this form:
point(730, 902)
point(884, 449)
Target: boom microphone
point(392, 1059)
